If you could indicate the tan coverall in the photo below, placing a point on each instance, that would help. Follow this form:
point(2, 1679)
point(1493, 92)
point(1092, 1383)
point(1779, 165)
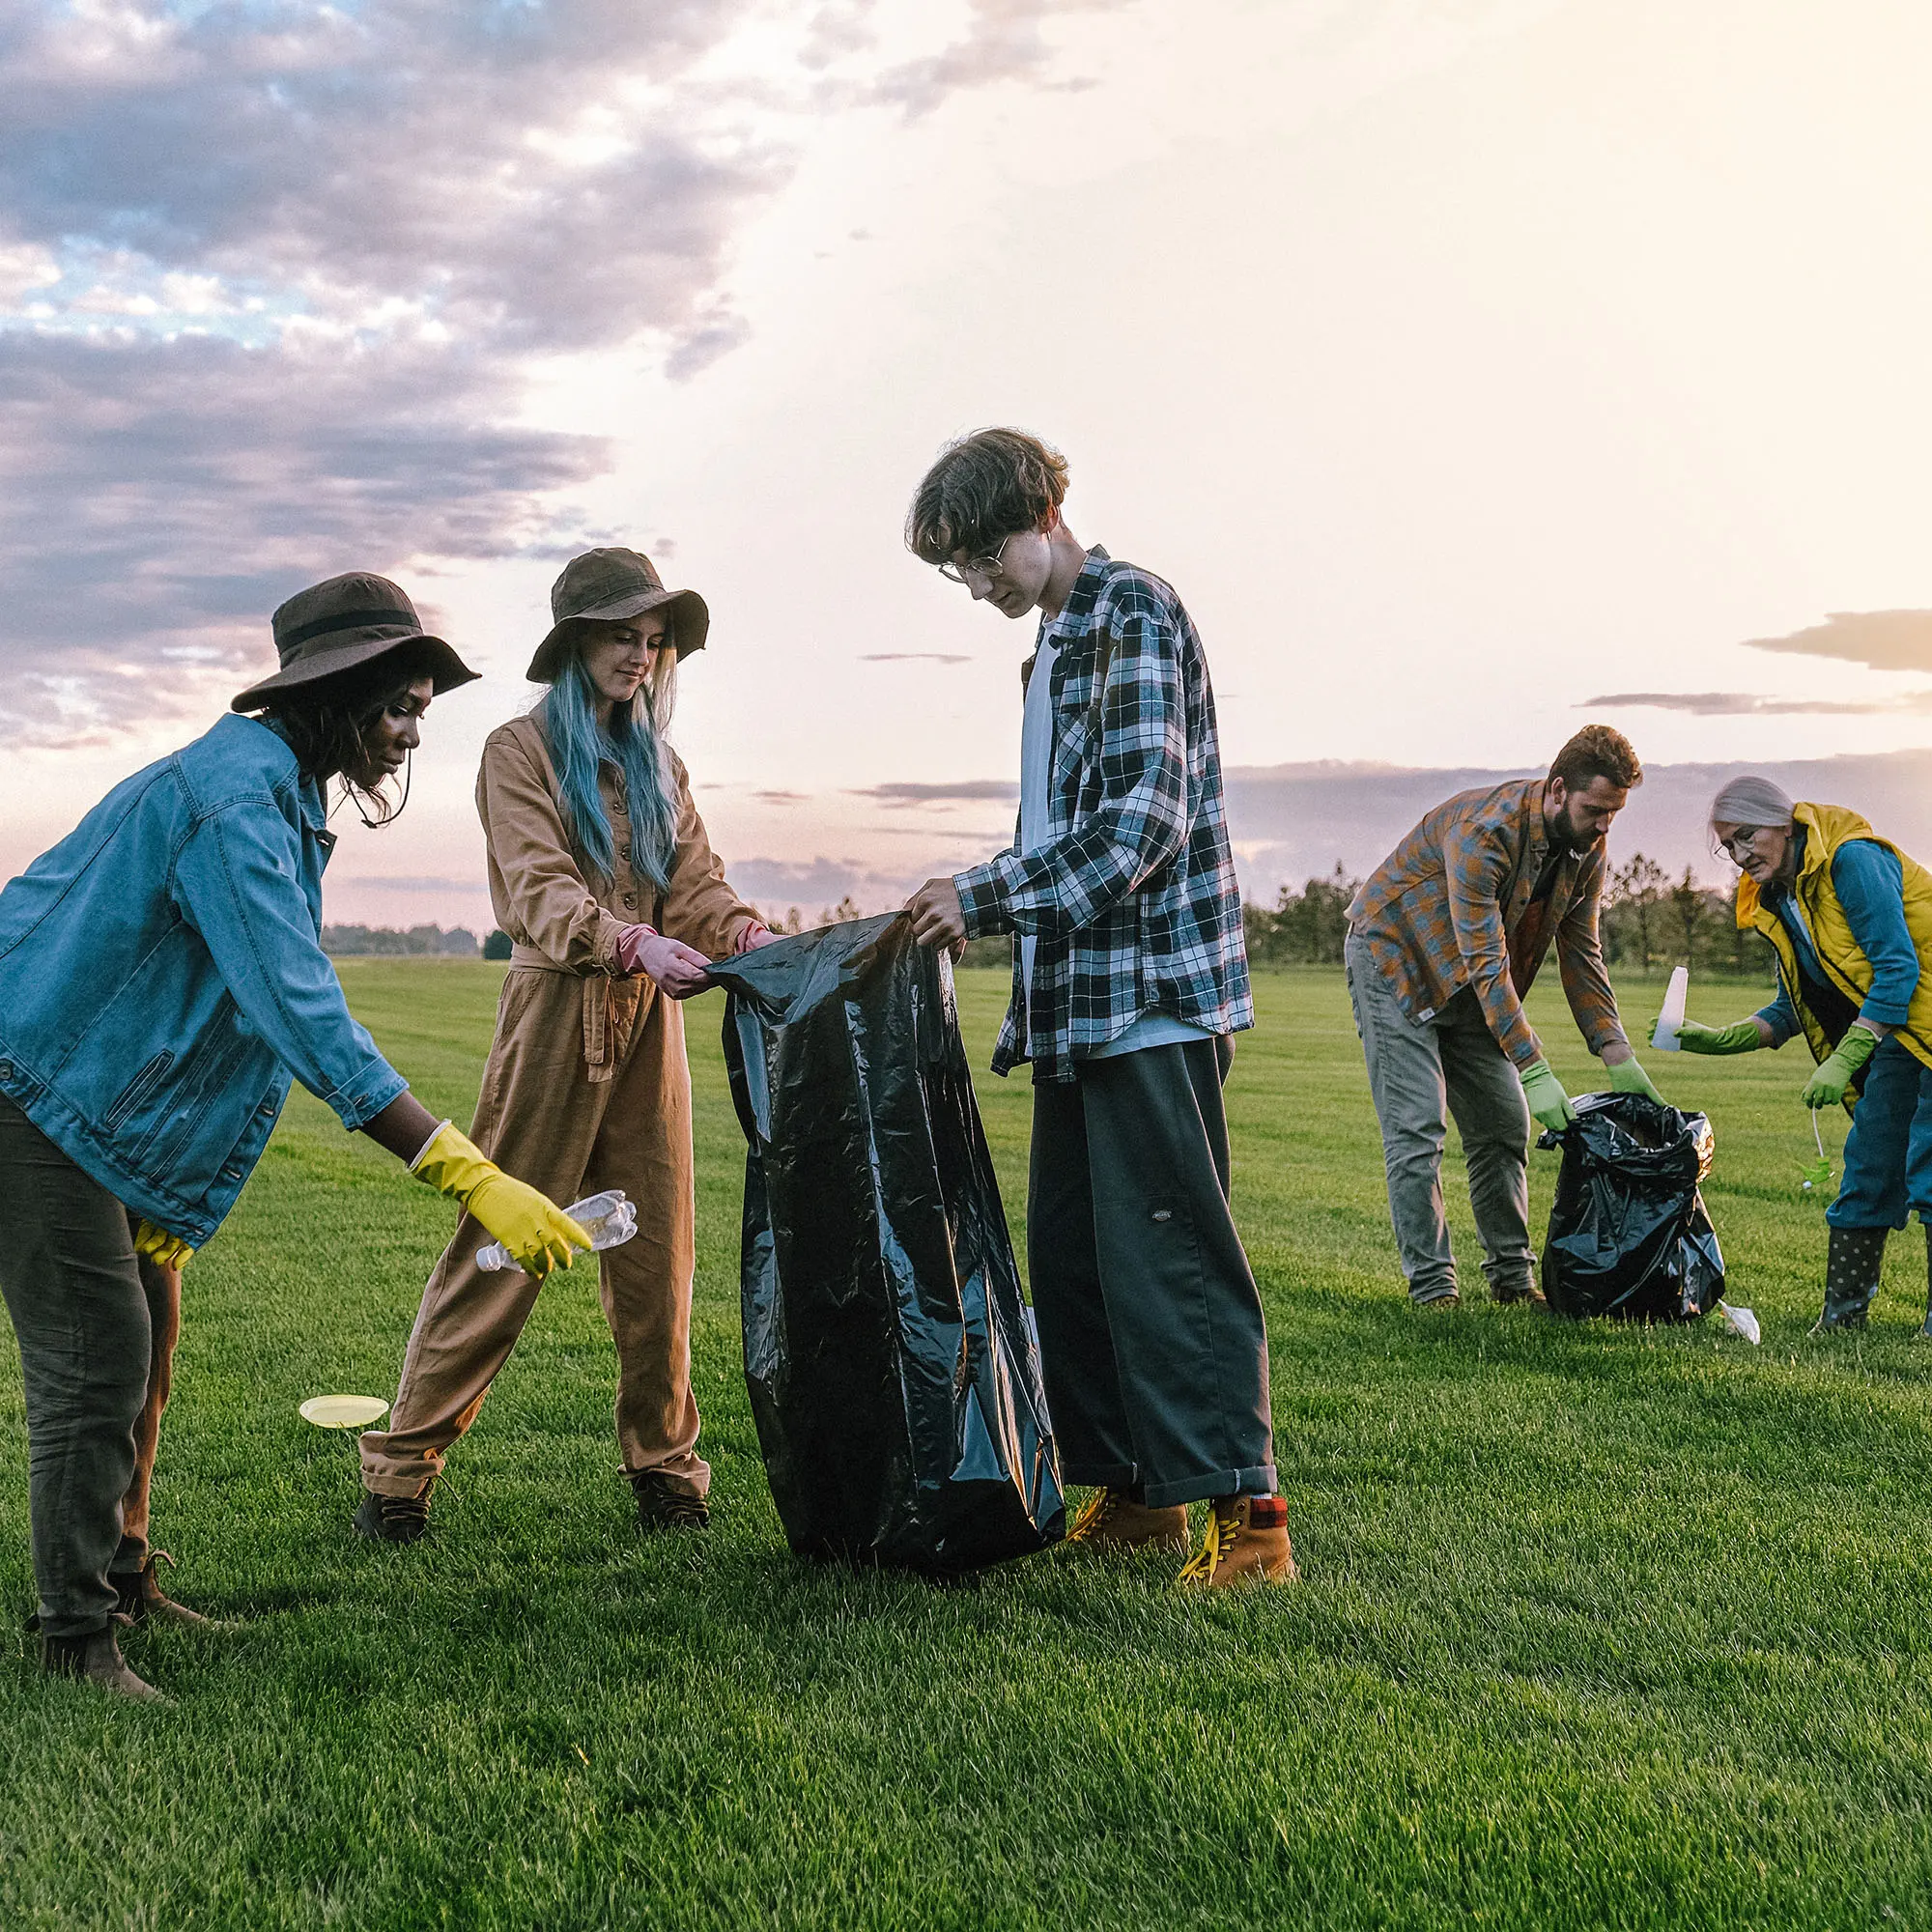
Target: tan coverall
point(587, 1088)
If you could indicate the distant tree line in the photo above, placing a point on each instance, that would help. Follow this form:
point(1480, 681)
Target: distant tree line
point(1649, 920)
point(348, 942)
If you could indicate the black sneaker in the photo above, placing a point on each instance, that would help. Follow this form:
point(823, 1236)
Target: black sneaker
point(395, 1519)
point(659, 1506)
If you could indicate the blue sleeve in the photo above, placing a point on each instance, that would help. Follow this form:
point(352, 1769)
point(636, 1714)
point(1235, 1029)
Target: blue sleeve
point(237, 884)
point(1870, 883)
point(1780, 1016)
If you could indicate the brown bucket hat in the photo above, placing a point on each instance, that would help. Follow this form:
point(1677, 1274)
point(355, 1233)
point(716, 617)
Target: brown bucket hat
point(610, 585)
point(348, 621)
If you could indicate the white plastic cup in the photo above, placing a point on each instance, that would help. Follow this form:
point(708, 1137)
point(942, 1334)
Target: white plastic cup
point(608, 1218)
point(1676, 996)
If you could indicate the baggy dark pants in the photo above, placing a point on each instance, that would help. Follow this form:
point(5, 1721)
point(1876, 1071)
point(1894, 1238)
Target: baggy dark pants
point(96, 1327)
point(1152, 1337)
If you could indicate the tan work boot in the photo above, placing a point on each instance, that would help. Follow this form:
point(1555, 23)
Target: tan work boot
point(142, 1600)
point(1114, 1520)
point(96, 1658)
point(1246, 1543)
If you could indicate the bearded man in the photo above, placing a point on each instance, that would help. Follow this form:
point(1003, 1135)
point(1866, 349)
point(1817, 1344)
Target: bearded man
point(1443, 943)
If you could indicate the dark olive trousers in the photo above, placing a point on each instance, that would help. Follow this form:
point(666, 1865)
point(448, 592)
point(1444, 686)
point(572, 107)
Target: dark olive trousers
point(1151, 1338)
point(96, 1327)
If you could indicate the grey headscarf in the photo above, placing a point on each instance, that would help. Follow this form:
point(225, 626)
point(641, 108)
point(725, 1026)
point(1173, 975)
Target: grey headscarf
point(1750, 801)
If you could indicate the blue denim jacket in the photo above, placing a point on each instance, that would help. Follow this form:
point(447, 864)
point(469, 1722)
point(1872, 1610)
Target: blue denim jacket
point(162, 977)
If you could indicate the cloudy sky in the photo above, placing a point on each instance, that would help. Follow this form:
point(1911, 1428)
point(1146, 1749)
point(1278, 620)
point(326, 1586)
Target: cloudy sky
point(1473, 367)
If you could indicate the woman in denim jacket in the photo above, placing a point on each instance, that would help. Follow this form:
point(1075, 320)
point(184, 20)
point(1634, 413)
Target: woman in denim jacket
point(161, 979)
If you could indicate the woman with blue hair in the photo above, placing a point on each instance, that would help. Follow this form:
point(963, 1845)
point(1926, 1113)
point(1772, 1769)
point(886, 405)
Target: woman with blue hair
point(601, 873)
point(1849, 916)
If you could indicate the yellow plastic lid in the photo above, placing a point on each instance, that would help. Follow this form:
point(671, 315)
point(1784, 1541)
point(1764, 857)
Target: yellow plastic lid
point(344, 1411)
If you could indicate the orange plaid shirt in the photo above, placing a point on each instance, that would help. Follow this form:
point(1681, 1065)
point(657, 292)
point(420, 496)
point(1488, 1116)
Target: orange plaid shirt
point(1438, 914)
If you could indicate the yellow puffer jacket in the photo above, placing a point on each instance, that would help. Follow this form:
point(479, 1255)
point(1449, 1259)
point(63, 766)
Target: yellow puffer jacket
point(1826, 827)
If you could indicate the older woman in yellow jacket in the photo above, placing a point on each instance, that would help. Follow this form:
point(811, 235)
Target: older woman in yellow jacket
point(601, 873)
point(1849, 916)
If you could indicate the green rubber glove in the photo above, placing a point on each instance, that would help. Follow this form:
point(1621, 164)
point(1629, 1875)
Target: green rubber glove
point(1549, 1105)
point(1739, 1037)
point(1742, 1036)
point(1827, 1087)
point(1628, 1077)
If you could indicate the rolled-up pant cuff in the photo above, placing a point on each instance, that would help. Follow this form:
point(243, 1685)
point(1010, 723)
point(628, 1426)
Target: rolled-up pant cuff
point(89, 1625)
point(412, 1483)
point(1258, 1481)
point(676, 1481)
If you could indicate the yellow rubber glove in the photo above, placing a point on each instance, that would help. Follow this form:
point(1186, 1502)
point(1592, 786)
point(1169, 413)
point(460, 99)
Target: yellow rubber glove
point(159, 1245)
point(537, 1233)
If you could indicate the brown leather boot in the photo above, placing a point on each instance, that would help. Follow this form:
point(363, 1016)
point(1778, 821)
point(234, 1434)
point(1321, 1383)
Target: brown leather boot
point(142, 1600)
point(96, 1658)
point(1114, 1520)
point(1246, 1543)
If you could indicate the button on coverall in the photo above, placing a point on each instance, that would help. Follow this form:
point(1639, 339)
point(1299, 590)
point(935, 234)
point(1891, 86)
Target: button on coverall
point(587, 1088)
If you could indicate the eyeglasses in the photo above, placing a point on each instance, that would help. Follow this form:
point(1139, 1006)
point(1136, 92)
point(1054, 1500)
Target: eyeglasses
point(1743, 842)
point(979, 566)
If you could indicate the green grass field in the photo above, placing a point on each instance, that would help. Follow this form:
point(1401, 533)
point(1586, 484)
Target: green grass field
point(1598, 1627)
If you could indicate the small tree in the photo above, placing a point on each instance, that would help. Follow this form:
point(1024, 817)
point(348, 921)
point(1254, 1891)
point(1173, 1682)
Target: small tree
point(1635, 891)
point(1689, 903)
point(498, 945)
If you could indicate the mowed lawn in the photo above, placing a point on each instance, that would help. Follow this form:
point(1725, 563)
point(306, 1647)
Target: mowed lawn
point(1598, 1626)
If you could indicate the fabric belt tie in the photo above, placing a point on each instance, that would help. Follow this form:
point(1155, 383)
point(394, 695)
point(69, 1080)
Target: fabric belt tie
point(610, 1009)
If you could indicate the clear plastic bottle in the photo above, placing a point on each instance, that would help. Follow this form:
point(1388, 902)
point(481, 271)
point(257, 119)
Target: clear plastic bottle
point(1663, 1035)
point(609, 1219)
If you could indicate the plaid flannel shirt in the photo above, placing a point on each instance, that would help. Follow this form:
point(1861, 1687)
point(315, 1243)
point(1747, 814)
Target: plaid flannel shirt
point(1132, 900)
point(1437, 911)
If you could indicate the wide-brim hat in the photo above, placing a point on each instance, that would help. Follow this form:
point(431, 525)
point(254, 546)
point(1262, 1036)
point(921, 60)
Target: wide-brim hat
point(609, 585)
point(349, 620)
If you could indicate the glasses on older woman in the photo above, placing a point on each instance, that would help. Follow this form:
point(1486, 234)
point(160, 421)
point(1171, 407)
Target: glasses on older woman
point(1743, 842)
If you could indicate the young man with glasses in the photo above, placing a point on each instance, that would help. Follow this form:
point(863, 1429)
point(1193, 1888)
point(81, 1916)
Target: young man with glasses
point(1129, 976)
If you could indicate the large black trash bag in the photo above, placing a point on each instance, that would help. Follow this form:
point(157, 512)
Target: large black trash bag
point(894, 1374)
point(1629, 1235)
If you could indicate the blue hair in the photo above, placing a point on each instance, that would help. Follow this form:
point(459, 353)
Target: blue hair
point(578, 746)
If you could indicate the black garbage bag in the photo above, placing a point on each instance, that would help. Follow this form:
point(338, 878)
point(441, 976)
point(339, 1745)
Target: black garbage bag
point(1629, 1235)
point(894, 1374)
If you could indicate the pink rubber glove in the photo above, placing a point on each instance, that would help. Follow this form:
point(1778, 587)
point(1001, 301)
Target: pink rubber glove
point(677, 970)
point(753, 936)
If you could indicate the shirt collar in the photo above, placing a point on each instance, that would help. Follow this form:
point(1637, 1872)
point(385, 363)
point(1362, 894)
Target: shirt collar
point(1080, 600)
point(309, 796)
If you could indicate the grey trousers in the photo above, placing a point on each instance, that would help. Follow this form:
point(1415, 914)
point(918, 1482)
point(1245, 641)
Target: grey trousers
point(1153, 1344)
point(83, 1312)
point(1420, 1076)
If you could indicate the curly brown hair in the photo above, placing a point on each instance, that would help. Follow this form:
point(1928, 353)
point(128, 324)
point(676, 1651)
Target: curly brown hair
point(982, 489)
point(1597, 752)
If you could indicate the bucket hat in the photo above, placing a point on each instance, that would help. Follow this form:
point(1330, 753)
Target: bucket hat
point(349, 620)
point(610, 585)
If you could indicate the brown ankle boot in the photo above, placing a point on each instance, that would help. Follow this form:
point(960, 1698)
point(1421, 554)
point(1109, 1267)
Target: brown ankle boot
point(142, 1600)
point(1114, 1520)
point(96, 1658)
point(1246, 1543)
